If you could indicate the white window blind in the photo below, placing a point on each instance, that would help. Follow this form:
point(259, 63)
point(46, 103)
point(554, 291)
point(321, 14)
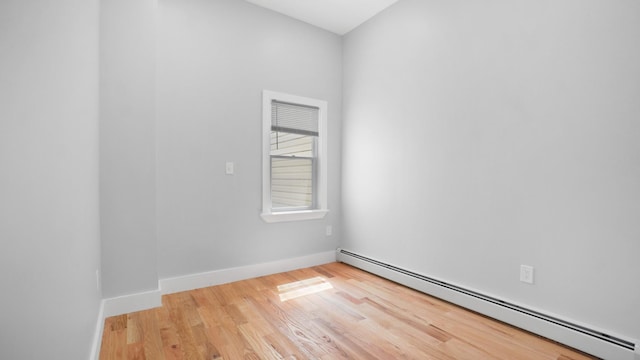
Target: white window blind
point(294, 118)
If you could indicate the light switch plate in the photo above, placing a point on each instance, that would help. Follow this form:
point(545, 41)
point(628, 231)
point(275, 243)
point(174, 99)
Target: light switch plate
point(229, 168)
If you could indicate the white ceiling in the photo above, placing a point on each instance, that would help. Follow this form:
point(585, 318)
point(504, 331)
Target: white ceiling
point(338, 16)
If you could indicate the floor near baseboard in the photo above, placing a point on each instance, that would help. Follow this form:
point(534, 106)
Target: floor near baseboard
point(332, 311)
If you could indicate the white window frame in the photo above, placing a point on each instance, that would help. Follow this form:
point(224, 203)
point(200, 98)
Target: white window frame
point(320, 210)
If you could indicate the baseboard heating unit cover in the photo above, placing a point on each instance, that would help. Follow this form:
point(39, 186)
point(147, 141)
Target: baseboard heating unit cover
point(578, 336)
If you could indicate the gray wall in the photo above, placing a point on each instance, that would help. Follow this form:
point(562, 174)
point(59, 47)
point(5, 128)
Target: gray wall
point(127, 146)
point(214, 60)
point(481, 136)
point(48, 178)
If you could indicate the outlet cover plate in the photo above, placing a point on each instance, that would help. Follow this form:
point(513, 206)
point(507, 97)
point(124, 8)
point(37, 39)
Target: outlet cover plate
point(526, 274)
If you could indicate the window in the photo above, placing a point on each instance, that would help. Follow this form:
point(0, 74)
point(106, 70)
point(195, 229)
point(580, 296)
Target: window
point(294, 157)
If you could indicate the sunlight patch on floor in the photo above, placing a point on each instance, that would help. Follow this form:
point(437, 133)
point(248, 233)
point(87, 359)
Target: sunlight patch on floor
point(302, 288)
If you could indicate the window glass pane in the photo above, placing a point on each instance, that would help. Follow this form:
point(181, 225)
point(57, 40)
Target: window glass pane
point(291, 182)
point(284, 143)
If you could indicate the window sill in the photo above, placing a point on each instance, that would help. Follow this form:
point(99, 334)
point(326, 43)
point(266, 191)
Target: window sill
point(293, 215)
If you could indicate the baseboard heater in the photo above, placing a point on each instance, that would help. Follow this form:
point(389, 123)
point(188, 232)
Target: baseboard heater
point(578, 336)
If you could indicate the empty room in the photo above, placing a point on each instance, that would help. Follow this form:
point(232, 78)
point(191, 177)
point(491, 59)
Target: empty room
point(320, 179)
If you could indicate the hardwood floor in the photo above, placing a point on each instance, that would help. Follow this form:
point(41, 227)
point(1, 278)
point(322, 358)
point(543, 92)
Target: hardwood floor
point(332, 311)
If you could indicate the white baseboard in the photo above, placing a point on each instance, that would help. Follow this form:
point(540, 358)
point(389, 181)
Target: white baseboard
point(132, 303)
point(217, 277)
point(97, 335)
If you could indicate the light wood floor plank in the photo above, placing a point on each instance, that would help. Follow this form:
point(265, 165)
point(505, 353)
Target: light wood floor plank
point(327, 312)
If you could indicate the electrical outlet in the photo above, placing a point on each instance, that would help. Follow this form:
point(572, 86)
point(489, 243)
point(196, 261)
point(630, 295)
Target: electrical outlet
point(329, 230)
point(526, 274)
point(229, 168)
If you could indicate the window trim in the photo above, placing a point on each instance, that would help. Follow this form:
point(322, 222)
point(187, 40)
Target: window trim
point(320, 210)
